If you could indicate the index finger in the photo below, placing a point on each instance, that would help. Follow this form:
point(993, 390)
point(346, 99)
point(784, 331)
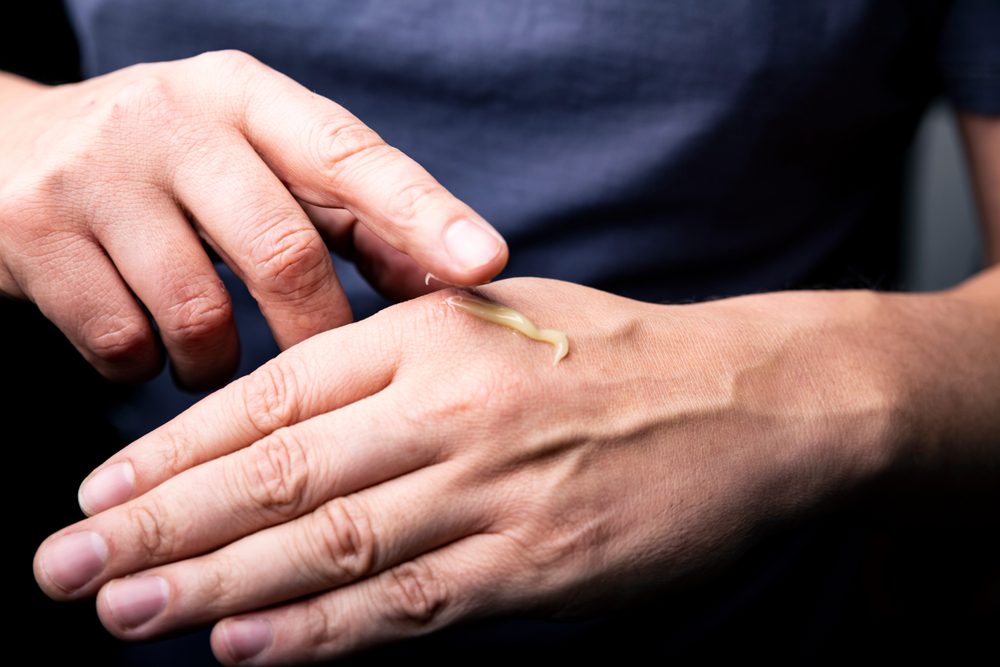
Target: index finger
point(329, 158)
point(321, 374)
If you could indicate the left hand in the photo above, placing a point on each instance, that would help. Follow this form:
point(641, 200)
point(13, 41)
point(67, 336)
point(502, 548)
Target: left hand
point(424, 466)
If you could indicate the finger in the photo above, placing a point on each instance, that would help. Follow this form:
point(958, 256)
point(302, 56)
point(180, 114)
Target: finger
point(330, 158)
point(320, 375)
point(91, 304)
point(464, 580)
point(393, 273)
point(335, 226)
point(277, 479)
point(346, 539)
point(257, 227)
point(169, 271)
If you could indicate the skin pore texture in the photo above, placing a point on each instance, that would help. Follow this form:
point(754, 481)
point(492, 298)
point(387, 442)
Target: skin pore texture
point(510, 318)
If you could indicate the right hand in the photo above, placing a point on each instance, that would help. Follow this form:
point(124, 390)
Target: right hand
point(107, 185)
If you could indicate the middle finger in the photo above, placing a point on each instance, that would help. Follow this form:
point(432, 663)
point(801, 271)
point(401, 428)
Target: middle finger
point(265, 237)
point(344, 540)
point(279, 477)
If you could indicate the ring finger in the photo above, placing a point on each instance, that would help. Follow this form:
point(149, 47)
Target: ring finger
point(169, 271)
point(253, 222)
point(344, 540)
point(280, 477)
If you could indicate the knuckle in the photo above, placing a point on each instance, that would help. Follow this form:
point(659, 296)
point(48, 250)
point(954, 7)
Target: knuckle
point(151, 532)
point(198, 314)
point(116, 339)
point(214, 580)
point(177, 447)
point(322, 626)
point(407, 202)
point(25, 205)
point(341, 143)
point(477, 396)
point(42, 208)
point(40, 239)
point(414, 594)
point(149, 97)
point(221, 582)
point(277, 473)
point(226, 60)
point(345, 541)
point(271, 397)
point(292, 263)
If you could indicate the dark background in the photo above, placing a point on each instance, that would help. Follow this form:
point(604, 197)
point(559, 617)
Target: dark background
point(921, 577)
point(51, 399)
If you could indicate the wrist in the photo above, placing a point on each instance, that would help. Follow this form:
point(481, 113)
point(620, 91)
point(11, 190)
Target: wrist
point(821, 371)
point(791, 389)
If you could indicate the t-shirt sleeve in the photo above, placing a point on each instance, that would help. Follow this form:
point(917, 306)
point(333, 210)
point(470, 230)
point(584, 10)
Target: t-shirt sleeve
point(970, 56)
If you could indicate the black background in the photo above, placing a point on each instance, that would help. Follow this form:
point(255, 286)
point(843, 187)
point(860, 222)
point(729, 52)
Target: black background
point(51, 399)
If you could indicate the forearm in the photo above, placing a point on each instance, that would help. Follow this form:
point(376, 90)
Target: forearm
point(930, 363)
point(946, 345)
point(881, 385)
point(949, 345)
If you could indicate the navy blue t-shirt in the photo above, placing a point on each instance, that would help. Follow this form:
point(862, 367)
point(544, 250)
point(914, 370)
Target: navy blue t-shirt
point(668, 150)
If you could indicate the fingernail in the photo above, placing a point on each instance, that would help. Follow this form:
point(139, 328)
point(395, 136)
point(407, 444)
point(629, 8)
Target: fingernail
point(106, 488)
point(134, 601)
point(246, 639)
point(471, 244)
point(72, 561)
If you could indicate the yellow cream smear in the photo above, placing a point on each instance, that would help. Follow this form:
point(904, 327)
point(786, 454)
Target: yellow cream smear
point(510, 318)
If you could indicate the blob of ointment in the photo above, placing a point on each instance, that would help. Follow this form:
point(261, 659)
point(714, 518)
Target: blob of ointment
point(510, 318)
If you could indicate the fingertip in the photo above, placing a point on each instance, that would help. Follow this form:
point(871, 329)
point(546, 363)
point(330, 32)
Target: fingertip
point(129, 607)
point(241, 641)
point(218, 645)
point(476, 250)
point(106, 487)
point(38, 571)
point(104, 614)
point(67, 564)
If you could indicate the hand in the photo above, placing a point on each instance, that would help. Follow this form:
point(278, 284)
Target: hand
point(107, 185)
point(424, 466)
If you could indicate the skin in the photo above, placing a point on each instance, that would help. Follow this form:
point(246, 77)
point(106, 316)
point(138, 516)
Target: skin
point(423, 467)
point(110, 187)
point(510, 486)
point(510, 318)
point(396, 475)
